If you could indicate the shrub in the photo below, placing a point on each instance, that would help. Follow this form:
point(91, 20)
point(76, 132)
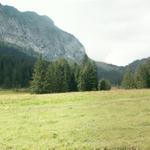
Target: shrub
point(104, 85)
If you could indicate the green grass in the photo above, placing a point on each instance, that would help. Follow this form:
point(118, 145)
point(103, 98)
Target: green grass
point(90, 120)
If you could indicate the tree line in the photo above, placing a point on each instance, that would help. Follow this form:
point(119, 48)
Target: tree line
point(60, 76)
point(138, 79)
point(16, 68)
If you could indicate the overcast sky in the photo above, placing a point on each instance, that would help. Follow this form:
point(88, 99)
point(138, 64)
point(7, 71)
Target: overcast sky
point(113, 31)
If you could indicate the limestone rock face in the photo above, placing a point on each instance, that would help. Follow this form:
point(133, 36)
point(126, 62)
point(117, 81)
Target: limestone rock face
point(39, 33)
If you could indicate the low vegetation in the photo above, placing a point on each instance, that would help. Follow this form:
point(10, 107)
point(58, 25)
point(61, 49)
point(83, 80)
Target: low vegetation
point(104, 85)
point(114, 120)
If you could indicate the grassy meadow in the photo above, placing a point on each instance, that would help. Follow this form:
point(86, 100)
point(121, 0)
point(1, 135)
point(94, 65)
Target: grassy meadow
point(69, 121)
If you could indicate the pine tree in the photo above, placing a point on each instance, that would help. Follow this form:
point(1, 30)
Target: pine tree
point(82, 80)
point(59, 77)
point(141, 77)
point(38, 82)
point(50, 79)
point(88, 76)
point(148, 73)
point(63, 74)
point(128, 79)
point(74, 77)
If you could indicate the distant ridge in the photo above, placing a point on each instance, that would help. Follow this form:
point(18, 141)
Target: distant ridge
point(114, 73)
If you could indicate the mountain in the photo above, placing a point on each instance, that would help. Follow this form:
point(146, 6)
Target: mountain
point(38, 34)
point(115, 73)
point(134, 65)
point(110, 72)
point(27, 35)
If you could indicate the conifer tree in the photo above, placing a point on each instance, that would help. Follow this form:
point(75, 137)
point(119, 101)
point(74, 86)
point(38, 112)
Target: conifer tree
point(38, 82)
point(88, 76)
point(58, 76)
point(74, 77)
point(141, 77)
point(128, 79)
point(64, 75)
point(148, 73)
point(50, 79)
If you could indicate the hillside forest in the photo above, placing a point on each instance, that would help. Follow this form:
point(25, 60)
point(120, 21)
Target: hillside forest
point(18, 70)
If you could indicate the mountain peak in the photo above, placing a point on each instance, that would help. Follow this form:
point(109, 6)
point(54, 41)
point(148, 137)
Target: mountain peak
point(32, 31)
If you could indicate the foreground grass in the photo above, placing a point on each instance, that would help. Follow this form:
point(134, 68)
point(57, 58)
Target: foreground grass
point(90, 120)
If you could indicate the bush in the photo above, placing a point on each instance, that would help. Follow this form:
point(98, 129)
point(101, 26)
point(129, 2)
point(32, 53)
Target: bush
point(104, 85)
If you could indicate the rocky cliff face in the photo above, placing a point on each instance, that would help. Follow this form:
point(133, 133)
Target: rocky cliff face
point(32, 31)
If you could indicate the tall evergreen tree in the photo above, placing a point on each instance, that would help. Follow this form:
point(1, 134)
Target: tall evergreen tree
point(74, 77)
point(50, 79)
point(148, 73)
point(88, 76)
point(38, 82)
point(63, 75)
point(59, 77)
point(128, 79)
point(141, 77)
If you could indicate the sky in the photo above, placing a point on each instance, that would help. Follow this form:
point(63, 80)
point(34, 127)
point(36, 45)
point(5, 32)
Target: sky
point(112, 31)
